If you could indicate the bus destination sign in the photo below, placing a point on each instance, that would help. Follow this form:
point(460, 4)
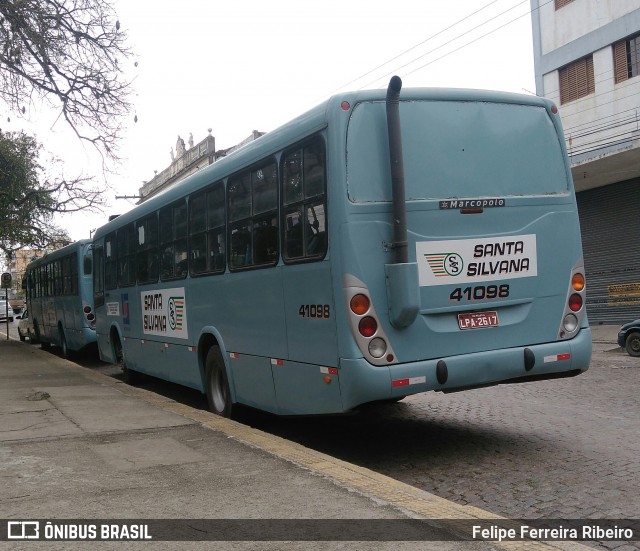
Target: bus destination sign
point(164, 313)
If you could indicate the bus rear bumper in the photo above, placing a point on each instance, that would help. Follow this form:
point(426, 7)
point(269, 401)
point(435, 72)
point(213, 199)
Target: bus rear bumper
point(361, 382)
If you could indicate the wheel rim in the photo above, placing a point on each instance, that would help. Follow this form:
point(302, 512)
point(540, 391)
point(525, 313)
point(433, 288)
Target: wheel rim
point(218, 393)
point(635, 344)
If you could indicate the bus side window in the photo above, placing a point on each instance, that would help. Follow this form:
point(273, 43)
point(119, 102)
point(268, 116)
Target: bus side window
point(98, 277)
point(126, 256)
point(253, 215)
point(265, 209)
point(147, 250)
point(110, 262)
point(207, 231)
point(173, 231)
point(303, 182)
point(87, 264)
point(197, 233)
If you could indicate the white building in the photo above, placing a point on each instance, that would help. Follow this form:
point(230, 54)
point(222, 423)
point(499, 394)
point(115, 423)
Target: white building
point(187, 160)
point(587, 59)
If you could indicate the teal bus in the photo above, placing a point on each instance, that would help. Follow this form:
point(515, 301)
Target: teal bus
point(386, 243)
point(59, 291)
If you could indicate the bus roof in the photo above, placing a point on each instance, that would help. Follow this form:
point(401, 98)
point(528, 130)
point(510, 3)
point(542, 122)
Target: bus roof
point(298, 128)
point(59, 253)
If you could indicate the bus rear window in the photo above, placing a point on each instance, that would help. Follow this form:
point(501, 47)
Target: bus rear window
point(456, 149)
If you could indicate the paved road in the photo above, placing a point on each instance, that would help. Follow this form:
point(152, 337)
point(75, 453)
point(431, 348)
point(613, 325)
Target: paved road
point(551, 449)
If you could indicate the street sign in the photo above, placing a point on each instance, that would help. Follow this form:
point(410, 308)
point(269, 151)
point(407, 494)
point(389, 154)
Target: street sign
point(6, 280)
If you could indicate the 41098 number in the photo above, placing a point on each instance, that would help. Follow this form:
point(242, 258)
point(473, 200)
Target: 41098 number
point(317, 311)
point(481, 292)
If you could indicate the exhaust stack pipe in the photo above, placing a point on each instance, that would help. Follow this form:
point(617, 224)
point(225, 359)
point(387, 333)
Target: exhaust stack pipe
point(400, 245)
point(403, 291)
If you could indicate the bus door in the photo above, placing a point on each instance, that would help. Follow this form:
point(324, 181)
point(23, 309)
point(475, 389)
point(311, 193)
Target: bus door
point(308, 380)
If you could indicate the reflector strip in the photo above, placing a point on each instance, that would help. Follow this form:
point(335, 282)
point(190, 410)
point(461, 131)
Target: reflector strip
point(329, 370)
point(557, 358)
point(167, 345)
point(407, 382)
point(191, 348)
point(274, 361)
point(234, 355)
point(142, 341)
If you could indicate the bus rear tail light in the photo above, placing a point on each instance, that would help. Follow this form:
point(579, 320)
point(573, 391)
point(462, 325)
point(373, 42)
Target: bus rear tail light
point(574, 309)
point(570, 323)
point(577, 282)
point(377, 347)
point(365, 323)
point(368, 326)
point(360, 304)
point(89, 315)
point(575, 302)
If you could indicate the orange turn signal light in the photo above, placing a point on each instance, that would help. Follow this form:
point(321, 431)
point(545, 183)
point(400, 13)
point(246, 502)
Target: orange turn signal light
point(360, 304)
point(577, 282)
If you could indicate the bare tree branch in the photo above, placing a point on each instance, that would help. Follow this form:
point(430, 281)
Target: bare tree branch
point(71, 53)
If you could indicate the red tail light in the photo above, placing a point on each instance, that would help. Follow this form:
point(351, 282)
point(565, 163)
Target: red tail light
point(368, 326)
point(575, 302)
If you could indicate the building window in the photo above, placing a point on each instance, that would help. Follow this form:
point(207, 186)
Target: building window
point(626, 58)
point(562, 3)
point(576, 80)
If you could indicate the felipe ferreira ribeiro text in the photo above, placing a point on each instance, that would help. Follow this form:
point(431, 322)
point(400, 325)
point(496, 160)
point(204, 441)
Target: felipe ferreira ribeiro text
point(586, 532)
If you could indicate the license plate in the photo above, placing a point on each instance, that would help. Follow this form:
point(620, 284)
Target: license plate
point(478, 320)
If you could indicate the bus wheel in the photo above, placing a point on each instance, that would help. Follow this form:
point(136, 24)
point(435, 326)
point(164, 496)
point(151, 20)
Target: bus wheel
point(63, 345)
point(217, 384)
point(36, 329)
point(130, 376)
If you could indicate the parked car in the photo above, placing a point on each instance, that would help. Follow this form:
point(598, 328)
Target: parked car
point(629, 337)
point(25, 326)
point(5, 311)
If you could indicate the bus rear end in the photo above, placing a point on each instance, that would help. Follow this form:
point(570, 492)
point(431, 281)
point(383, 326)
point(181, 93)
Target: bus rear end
point(492, 288)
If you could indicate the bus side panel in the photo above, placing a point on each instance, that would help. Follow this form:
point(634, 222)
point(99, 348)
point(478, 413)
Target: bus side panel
point(246, 308)
point(304, 389)
point(311, 314)
point(172, 362)
point(253, 381)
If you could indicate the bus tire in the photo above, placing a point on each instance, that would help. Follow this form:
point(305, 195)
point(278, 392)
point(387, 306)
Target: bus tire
point(36, 329)
point(63, 344)
point(632, 344)
point(129, 376)
point(217, 384)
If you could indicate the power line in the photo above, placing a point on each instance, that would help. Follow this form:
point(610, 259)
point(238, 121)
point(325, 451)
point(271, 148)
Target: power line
point(480, 25)
point(418, 45)
point(456, 38)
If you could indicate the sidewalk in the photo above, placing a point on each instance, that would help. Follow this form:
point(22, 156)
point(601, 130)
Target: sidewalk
point(605, 337)
point(75, 444)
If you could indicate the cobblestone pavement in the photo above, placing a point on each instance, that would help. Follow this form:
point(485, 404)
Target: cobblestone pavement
point(567, 448)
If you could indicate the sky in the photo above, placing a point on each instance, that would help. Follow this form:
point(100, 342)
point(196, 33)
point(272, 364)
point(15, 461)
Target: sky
point(245, 65)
